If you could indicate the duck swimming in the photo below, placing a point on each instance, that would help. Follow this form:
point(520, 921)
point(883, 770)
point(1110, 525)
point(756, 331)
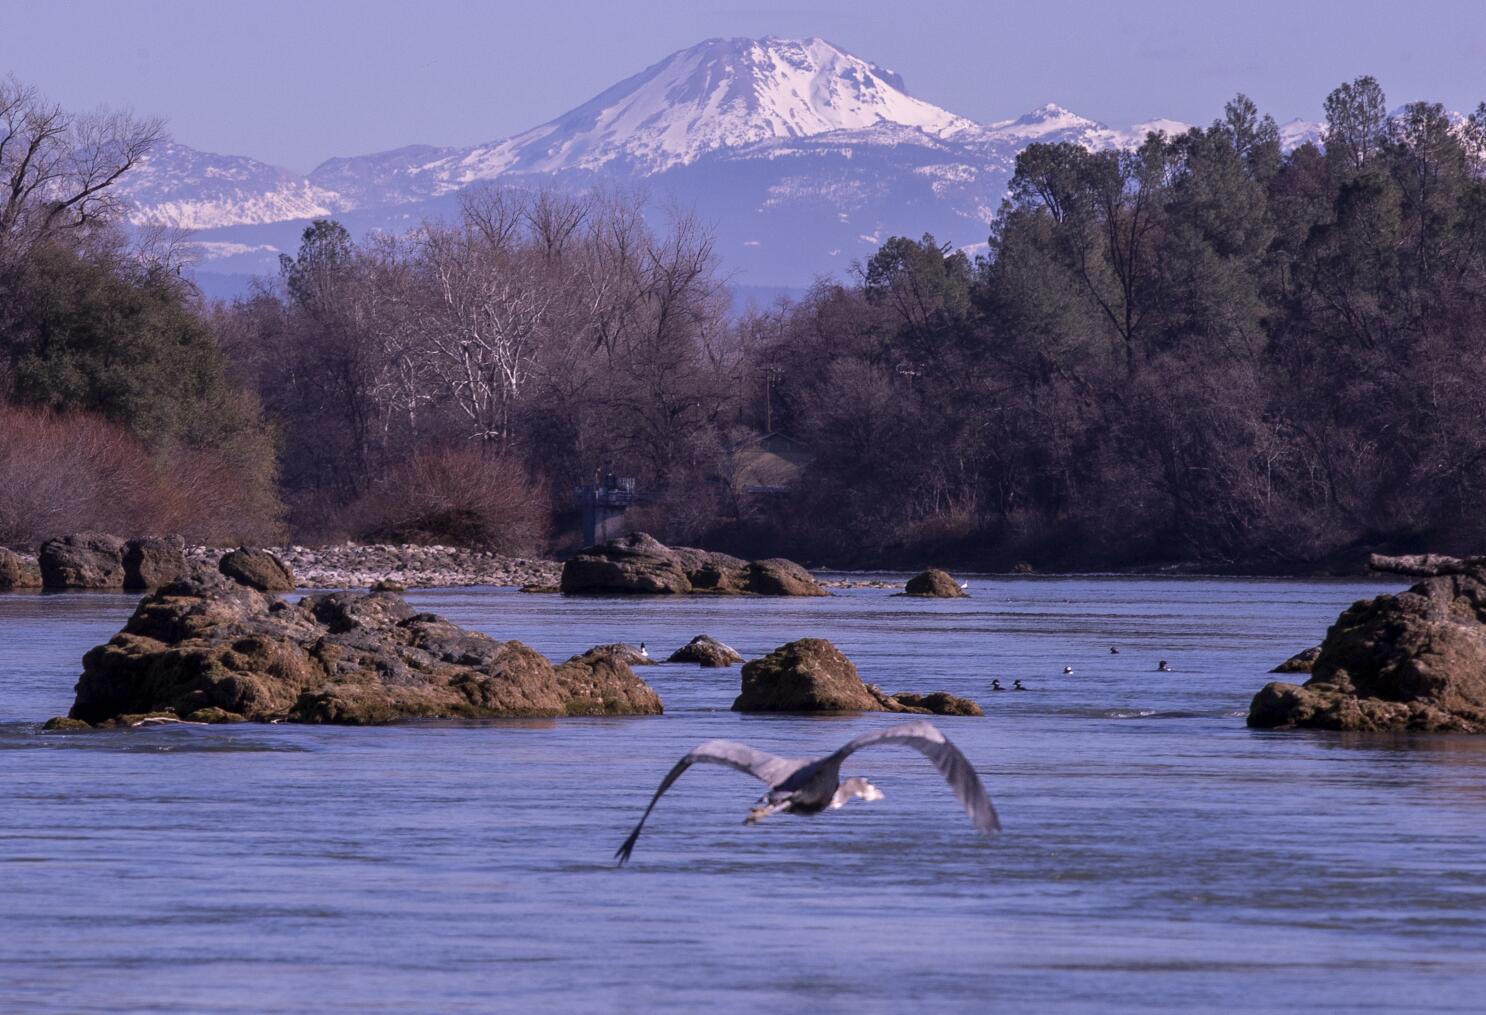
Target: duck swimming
point(1113, 651)
point(1016, 685)
point(996, 686)
point(1163, 667)
point(1067, 670)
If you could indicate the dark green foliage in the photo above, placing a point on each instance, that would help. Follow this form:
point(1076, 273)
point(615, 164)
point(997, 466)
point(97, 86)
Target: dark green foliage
point(94, 331)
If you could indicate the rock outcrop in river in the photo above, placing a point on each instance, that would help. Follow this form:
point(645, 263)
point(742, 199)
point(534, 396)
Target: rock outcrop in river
point(208, 649)
point(150, 563)
point(934, 584)
point(84, 560)
point(812, 675)
point(705, 650)
point(17, 572)
point(639, 563)
point(1415, 660)
point(257, 569)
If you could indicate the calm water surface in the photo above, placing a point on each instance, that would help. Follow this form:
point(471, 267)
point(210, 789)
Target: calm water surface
point(1157, 854)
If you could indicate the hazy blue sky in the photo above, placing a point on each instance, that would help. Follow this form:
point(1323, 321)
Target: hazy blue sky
point(296, 82)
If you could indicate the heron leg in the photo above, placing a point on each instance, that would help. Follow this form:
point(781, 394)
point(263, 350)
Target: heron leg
point(764, 808)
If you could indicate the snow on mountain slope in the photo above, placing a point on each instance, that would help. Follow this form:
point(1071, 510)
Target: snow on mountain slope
point(802, 155)
point(722, 93)
point(391, 177)
point(184, 188)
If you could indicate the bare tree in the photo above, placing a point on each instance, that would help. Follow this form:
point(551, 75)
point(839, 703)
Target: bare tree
point(485, 305)
point(57, 168)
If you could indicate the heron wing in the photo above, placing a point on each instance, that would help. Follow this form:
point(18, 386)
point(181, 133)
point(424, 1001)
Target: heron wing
point(925, 738)
point(767, 768)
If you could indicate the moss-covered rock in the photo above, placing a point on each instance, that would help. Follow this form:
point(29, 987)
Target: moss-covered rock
point(64, 724)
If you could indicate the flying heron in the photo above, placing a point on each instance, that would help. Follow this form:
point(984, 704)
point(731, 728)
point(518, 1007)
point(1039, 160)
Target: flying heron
point(809, 786)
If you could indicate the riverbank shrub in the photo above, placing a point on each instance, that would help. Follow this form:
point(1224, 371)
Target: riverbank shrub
point(459, 496)
point(64, 473)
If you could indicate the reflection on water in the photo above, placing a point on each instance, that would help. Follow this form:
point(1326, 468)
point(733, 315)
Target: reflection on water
point(1157, 855)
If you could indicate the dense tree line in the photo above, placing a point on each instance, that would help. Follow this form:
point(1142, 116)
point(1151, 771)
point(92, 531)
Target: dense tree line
point(1204, 349)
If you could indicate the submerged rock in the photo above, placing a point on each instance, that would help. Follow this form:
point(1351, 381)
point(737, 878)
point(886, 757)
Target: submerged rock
point(704, 650)
point(641, 564)
point(17, 572)
point(62, 724)
point(937, 703)
point(257, 569)
point(84, 560)
point(631, 655)
point(1415, 660)
point(935, 584)
point(210, 650)
point(812, 675)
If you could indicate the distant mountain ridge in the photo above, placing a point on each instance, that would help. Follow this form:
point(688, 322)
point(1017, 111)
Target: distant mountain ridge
point(803, 156)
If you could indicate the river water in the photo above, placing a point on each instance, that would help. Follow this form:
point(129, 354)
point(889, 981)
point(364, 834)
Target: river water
point(1156, 855)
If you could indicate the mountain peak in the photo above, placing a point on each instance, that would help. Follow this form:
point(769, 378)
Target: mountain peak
point(721, 93)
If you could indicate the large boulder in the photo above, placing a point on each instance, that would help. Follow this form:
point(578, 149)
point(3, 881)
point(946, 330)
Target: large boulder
point(634, 563)
point(212, 650)
point(85, 560)
point(809, 675)
point(713, 572)
point(150, 563)
point(704, 650)
point(935, 584)
point(1415, 660)
point(17, 572)
point(779, 577)
point(812, 675)
point(257, 569)
point(639, 563)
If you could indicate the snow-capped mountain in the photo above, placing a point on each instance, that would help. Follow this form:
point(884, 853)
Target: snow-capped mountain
point(803, 156)
point(179, 186)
